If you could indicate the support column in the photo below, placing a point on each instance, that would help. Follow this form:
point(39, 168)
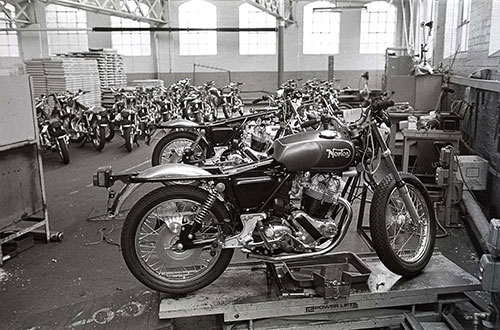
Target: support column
point(281, 52)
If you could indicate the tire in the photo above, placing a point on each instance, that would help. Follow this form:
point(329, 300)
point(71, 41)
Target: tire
point(129, 138)
point(62, 150)
point(110, 132)
point(225, 110)
point(98, 135)
point(178, 137)
point(385, 200)
point(142, 235)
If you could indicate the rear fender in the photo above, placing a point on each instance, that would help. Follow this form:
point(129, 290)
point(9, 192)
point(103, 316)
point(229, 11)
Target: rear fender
point(164, 171)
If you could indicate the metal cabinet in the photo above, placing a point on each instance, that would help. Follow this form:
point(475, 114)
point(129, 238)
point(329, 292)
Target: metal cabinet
point(22, 192)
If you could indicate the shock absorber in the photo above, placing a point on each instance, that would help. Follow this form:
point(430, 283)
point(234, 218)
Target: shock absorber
point(212, 196)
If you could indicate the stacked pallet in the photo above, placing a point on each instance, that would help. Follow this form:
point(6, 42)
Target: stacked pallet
point(35, 69)
point(110, 65)
point(61, 74)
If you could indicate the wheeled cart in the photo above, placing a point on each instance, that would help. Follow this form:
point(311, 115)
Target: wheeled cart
point(244, 301)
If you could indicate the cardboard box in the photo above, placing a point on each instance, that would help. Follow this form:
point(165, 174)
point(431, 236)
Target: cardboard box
point(474, 172)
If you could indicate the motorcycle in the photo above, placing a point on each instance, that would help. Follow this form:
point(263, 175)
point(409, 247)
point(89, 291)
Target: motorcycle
point(215, 143)
point(84, 123)
point(126, 117)
point(231, 101)
point(52, 134)
point(179, 238)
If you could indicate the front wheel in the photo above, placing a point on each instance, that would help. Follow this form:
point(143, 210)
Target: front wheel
point(172, 147)
point(129, 138)
point(109, 132)
point(97, 135)
point(403, 244)
point(62, 150)
point(166, 249)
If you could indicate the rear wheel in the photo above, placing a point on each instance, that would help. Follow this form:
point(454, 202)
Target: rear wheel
point(403, 244)
point(166, 249)
point(171, 148)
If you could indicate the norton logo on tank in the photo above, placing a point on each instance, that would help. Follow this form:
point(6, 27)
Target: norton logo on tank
point(338, 153)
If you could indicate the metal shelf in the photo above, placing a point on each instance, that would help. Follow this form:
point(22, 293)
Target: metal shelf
point(483, 84)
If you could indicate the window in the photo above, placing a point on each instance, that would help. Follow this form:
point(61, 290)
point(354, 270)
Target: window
point(495, 29)
point(131, 43)
point(66, 18)
point(197, 14)
point(456, 32)
point(256, 43)
point(321, 29)
point(9, 46)
point(378, 27)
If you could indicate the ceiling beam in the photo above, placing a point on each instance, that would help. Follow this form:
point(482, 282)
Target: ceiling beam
point(23, 12)
point(149, 11)
point(281, 9)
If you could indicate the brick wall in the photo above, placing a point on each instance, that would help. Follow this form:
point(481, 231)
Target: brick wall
point(486, 104)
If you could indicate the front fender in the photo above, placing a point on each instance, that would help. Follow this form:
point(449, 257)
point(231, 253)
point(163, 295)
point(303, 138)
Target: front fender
point(164, 171)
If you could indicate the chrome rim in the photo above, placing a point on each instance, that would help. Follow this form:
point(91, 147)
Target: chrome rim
point(173, 151)
point(159, 250)
point(408, 239)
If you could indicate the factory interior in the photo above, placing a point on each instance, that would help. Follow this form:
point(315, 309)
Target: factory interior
point(250, 164)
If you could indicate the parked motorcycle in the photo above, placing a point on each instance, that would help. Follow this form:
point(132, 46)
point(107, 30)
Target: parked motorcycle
point(180, 238)
point(220, 142)
point(231, 99)
point(52, 134)
point(126, 117)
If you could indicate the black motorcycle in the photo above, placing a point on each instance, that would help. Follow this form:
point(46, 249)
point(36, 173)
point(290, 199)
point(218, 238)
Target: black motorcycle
point(295, 205)
point(217, 142)
point(52, 134)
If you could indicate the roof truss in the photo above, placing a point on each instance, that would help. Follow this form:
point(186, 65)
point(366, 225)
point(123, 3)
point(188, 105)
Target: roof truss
point(281, 9)
point(23, 11)
point(150, 11)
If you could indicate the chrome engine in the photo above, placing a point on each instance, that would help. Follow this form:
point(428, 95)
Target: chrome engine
point(304, 229)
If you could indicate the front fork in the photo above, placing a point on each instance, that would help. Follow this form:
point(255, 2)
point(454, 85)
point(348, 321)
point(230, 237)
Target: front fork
point(400, 184)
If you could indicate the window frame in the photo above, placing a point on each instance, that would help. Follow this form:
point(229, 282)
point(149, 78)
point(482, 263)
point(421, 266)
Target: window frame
point(309, 33)
point(494, 42)
point(12, 48)
point(370, 35)
point(190, 41)
point(128, 48)
point(253, 14)
point(54, 38)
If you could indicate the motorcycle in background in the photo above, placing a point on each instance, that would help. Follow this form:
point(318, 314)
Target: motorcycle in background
point(52, 134)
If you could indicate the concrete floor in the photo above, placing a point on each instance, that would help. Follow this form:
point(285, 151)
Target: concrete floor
point(73, 285)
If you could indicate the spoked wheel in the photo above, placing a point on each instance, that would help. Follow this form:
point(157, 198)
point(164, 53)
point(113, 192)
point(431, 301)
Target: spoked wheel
point(403, 244)
point(171, 148)
point(97, 135)
point(166, 249)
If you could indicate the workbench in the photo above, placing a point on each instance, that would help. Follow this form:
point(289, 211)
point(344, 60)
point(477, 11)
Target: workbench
point(244, 300)
point(413, 136)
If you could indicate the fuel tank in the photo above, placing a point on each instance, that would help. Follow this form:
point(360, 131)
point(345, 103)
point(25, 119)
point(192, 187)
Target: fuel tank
point(314, 151)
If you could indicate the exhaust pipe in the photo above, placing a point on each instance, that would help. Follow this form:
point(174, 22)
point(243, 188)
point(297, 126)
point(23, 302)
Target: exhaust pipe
point(333, 244)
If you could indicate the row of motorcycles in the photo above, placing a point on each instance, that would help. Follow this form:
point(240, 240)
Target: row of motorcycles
point(277, 184)
point(63, 117)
